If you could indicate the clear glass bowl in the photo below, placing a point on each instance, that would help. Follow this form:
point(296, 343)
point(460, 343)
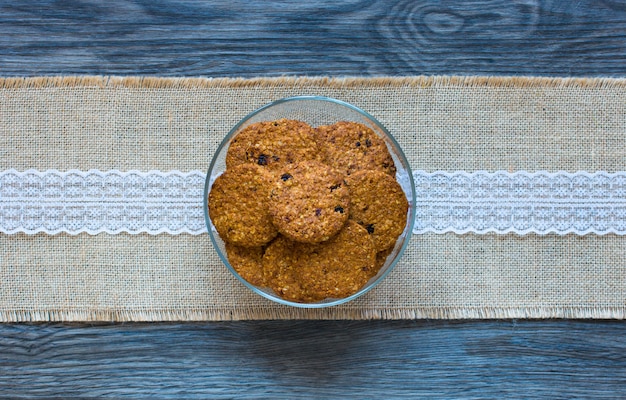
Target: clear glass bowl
point(316, 111)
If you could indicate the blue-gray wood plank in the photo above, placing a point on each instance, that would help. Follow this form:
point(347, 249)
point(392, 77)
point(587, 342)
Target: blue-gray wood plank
point(325, 37)
point(287, 359)
point(323, 359)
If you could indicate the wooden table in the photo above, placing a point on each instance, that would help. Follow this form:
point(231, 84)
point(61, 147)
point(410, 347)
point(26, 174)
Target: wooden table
point(282, 359)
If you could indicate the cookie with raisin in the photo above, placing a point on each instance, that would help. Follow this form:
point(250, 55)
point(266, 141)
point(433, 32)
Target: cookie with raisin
point(379, 204)
point(352, 146)
point(309, 202)
point(273, 144)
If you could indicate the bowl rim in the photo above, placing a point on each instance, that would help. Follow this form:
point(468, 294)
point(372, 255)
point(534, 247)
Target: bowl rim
point(410, 214)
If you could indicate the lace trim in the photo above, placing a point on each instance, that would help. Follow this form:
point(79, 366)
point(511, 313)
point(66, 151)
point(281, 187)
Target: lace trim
point(157, 202)
point(521, 202)
point(93, 202)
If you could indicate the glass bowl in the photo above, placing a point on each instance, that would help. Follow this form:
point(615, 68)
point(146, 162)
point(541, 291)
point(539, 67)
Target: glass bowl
point(316, 111)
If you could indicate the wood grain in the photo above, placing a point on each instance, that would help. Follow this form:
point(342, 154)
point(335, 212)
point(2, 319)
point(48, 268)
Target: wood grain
point(287, 359)
point(241, 38)
point(324, 359)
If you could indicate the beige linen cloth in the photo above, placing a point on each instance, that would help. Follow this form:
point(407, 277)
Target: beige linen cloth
point(443, 123)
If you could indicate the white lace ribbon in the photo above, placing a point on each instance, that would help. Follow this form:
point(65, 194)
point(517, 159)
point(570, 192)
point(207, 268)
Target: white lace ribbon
point(93, 202)
point(521, 202)
point(171, 202)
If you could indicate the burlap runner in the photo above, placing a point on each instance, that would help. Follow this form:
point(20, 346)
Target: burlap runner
point(442, 123)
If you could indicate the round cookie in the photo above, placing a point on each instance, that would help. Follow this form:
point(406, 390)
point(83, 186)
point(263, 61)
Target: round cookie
point(381, 258)
point(351, 147)
point(247, 262)
point(273, 144)
point(336, 268)
point(309, 202)
point(280, 268)
point(238, 206)
point(378, 204)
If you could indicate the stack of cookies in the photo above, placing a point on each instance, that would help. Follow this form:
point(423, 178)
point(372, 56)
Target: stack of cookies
point(311, 213)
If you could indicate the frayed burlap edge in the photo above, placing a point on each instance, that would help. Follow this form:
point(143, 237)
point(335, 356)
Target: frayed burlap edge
point(345, 82)
point(450, 313)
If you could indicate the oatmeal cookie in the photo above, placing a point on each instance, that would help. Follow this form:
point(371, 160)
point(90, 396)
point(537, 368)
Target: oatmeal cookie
point(273, 144)
point(238, 206)
point(351, 147)
point(379, 205)
point(336, 268)
point(247, 262)
point(381, 258)
point(280, 264)
point(309, 202)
